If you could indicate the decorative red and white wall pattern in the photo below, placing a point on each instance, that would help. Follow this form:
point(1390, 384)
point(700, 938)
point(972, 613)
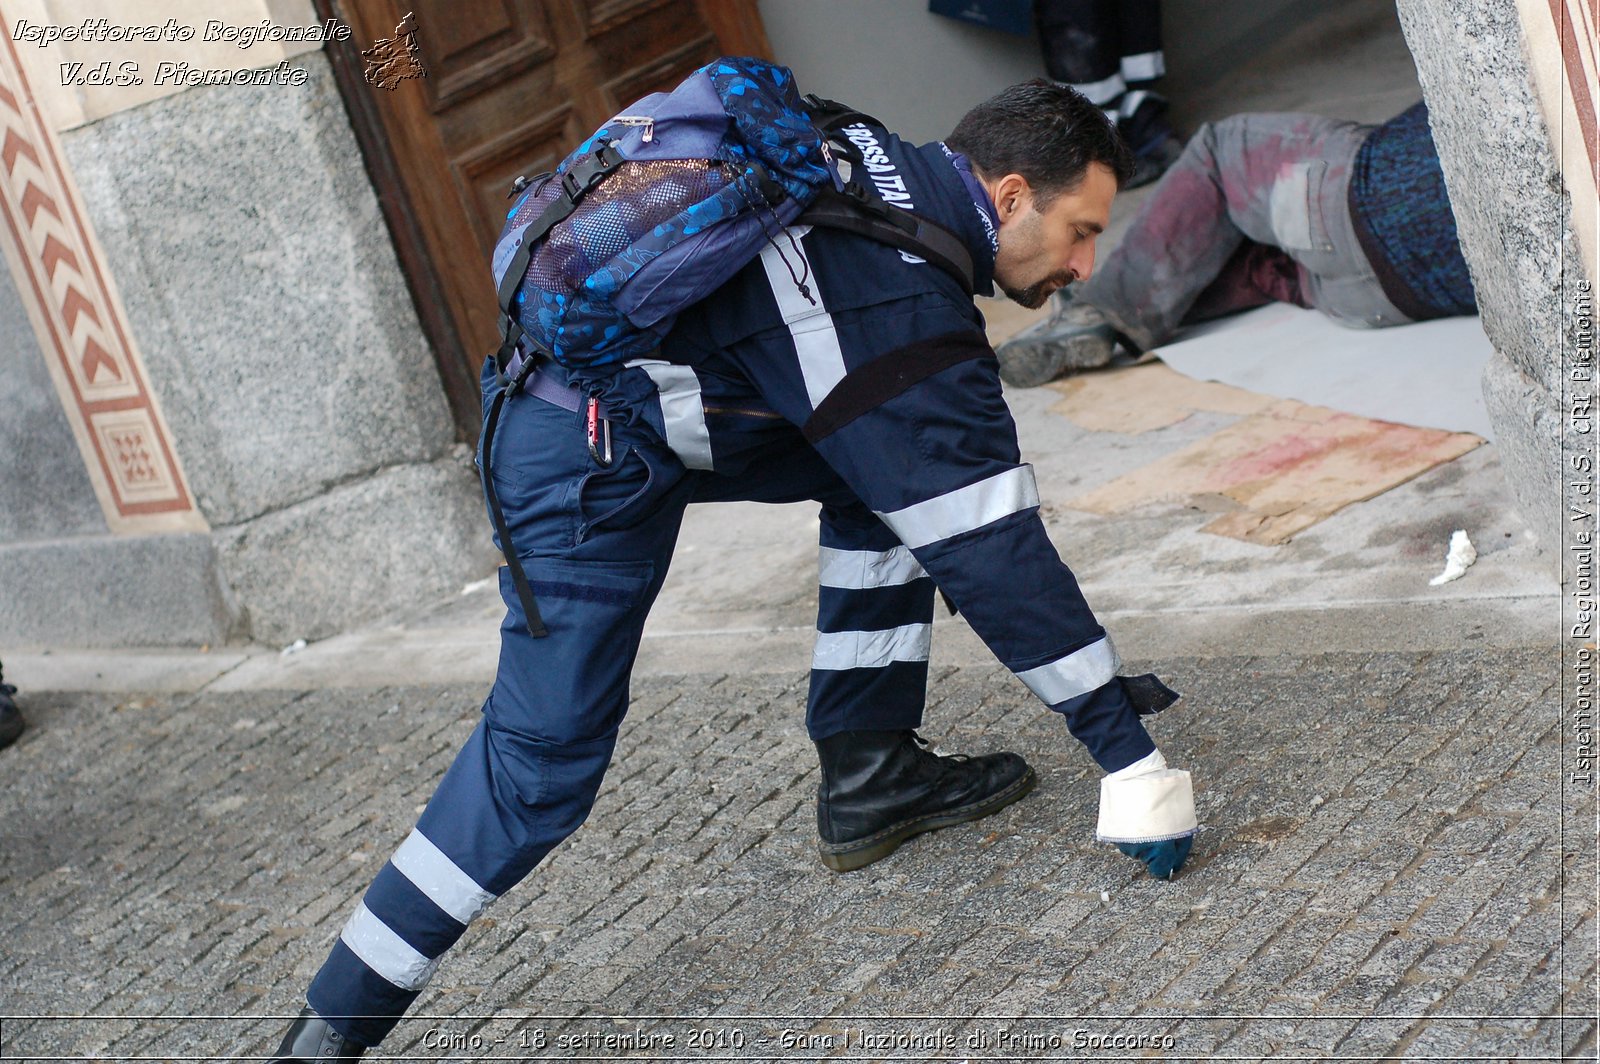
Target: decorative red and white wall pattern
point(78, 318)
point(1563, 38)
point(1575, 23)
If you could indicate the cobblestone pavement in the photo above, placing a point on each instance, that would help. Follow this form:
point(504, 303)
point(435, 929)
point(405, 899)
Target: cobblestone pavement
point(1380, 873)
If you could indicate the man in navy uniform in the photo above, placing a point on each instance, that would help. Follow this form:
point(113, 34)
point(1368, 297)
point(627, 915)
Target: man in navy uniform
point(832, 368)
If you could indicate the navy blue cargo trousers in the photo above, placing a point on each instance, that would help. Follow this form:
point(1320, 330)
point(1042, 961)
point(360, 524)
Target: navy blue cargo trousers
point(925, 488)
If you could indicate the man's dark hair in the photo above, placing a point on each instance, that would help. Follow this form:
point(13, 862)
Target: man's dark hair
point(1047, 132)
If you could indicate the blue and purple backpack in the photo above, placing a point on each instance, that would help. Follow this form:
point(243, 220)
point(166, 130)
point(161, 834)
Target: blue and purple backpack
point(671, 198)
point(656, 210)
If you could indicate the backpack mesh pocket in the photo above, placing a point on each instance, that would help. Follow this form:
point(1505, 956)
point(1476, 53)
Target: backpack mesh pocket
point(626, 205)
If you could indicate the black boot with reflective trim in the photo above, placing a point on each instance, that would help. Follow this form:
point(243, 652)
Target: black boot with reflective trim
point(310, 1039)
point(879, 788)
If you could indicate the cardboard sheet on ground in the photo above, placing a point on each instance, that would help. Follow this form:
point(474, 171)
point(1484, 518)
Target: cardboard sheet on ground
point(1282, 469)
point(1426, 374)
point(1146, 396)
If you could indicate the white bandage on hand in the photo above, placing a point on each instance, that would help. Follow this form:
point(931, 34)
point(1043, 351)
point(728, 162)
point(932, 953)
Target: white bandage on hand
point(1146, 802)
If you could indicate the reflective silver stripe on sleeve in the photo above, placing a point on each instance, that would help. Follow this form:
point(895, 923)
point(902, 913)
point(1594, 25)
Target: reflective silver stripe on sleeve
point(859, 569)
point(440, 878)
point(965, 508)
point(816, 344)
point(1080, 672)
point(386, 952)
point(682, 411)
point(872, 650)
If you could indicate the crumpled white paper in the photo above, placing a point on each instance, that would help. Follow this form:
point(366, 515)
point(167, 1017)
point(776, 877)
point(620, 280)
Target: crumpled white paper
point(1461, 556)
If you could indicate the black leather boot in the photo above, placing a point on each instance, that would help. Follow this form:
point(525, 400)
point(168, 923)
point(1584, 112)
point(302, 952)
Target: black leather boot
point(311, 1040)
point(11, 722)
point(879, 788)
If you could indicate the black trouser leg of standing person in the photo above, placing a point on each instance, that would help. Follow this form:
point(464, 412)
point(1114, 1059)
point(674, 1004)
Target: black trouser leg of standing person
point(1110, 50)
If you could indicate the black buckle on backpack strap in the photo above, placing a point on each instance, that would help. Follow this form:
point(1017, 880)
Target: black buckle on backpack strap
point(865, 197)
point(846, 149)
point(511, 335)
point(588, 170)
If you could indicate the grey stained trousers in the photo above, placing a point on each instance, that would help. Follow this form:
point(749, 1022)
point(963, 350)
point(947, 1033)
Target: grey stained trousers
point(1203, 243)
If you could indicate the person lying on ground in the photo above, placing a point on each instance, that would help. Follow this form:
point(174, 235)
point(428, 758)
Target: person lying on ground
point(1352, 220)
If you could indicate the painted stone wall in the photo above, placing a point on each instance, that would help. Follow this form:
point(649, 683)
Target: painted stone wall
point(258, 273)
point(1514, 209)
point(228, 424)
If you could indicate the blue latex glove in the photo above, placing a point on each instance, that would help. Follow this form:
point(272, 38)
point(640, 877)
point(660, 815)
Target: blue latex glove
point(1161, 859)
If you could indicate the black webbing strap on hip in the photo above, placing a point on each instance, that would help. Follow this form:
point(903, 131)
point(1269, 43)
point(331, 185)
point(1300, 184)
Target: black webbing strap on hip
point(869, 387)
point(519, 577)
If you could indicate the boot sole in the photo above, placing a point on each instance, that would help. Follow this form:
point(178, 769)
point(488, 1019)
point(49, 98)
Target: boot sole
point(1027, 362)
point(849, 856)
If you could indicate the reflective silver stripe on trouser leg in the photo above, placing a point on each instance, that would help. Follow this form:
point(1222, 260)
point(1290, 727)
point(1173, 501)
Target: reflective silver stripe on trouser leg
point(872, 650)
point(443, 882)
point(816, 343)
point(964, 509)
point(385, 952)
point(861, 569)
point(1146, 66)
point(440, 879)
point(1085, 669)
point(683, 412)
point(1102, 92)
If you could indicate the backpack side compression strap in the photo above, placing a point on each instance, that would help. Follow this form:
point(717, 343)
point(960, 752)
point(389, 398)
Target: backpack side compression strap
point(575, 183)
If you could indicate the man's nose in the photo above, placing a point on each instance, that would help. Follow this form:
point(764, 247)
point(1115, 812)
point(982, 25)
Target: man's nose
point(1082, 264)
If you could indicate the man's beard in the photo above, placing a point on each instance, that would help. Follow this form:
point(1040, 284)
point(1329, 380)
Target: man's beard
point(1034, 296)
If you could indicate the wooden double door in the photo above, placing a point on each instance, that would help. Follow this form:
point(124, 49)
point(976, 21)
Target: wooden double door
point(511, 86)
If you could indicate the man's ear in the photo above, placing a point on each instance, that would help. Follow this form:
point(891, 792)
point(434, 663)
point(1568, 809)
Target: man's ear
point(1011, 195)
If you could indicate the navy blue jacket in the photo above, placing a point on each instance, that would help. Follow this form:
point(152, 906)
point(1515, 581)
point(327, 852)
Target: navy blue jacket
point(938, 462)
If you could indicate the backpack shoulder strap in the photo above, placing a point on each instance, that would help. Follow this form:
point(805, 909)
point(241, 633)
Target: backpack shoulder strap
point(831, 115)
point(860, 210)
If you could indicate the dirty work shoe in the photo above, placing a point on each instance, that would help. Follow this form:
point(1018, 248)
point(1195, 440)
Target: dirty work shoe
point(1150, 162)
point(1155, 146)
point(311, 1040)
point(1076, 336)
point(879, 788)
point(11, 722)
